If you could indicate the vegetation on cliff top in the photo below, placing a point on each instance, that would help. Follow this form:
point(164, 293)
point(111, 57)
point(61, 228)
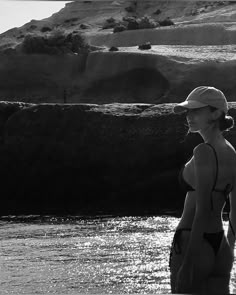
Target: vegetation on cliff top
point(57, 42)
point(134, 23)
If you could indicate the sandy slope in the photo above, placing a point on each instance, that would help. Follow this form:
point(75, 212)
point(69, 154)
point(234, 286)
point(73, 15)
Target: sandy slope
point(190, 52)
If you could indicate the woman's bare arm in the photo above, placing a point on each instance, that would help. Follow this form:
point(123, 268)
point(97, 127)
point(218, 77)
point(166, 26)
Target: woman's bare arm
point(232, 216)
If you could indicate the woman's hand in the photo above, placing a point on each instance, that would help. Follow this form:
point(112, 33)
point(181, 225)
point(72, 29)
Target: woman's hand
point(184, 279)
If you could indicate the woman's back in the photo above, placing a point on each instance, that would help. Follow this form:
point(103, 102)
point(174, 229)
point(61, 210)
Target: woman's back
point(224, 169)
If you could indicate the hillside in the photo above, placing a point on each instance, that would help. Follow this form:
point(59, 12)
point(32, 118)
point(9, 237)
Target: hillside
point(88, 17)
point(198, 49)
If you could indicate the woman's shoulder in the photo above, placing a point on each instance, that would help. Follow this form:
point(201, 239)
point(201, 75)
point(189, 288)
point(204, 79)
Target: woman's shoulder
point(202, 149)
point(203, 154)
point(206, 151)
point(205, 147)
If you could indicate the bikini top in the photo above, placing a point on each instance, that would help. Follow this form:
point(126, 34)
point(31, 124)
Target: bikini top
point(187, 187)
point(183, 183)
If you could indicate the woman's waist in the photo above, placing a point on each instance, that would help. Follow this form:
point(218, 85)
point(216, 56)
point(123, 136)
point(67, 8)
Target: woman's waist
point(209, 228)
point(214, 222)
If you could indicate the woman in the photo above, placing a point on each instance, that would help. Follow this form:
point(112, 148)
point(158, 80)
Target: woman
point(202, 255)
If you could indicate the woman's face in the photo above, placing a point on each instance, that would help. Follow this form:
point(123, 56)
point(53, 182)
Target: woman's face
point(199, 119)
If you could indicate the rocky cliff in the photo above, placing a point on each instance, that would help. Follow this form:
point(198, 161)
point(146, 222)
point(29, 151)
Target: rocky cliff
point(198, 49)
point(162, 74)
point(113, 144)
point(92, 159)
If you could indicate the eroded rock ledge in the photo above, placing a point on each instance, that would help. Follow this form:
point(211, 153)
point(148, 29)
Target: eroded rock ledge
point(163, 74)
point(92, 159)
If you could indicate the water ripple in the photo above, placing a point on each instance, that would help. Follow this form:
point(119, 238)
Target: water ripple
point(72, 255)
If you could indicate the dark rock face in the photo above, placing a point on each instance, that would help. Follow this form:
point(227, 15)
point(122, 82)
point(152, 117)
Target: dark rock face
point(105, 76)
point(39, 83)
point(136, 85)
point(92, 159)
point(145, 46)
point(113, 48)
point(6, 110)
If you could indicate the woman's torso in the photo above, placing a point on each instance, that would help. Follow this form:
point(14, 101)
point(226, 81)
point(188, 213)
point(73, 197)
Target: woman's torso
point(226, 158)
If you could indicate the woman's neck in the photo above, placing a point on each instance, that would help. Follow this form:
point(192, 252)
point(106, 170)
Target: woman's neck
point(211, 135)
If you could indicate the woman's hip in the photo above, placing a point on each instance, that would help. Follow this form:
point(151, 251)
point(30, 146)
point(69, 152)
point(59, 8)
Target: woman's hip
point(207, 259)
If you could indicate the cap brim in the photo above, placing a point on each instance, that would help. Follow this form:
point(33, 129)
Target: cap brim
point(187, 104)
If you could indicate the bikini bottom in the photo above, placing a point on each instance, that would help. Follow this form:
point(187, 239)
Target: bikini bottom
point(214, 239)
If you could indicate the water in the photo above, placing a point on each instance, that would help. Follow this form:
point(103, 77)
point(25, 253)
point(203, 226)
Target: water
point(72, 255)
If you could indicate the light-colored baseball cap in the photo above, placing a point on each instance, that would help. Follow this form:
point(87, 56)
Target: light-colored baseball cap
point(203, 96)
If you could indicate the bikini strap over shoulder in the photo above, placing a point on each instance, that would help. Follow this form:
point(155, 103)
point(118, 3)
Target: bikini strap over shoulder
point(217, 165)
point(226, 197)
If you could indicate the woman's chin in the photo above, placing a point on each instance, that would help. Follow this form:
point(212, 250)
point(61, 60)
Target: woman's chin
point(192, 129)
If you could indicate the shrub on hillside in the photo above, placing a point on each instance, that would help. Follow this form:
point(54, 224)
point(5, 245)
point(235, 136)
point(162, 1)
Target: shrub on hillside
point(144, 22)
point(78, 43)
point(157, 12)
point(127, 19)
point(84, 26)
point(166, 22)
point(147, 23)
point(33, 27)
point(21, 36)
point(46, 29)
point(69, 20)
point(130, 9)
point(134, 23)
point(119, 28)
point(111, 20)
point(56, 43)
point(109, 23)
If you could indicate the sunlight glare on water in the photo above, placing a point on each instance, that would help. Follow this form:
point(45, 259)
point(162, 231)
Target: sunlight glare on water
point(72, 255)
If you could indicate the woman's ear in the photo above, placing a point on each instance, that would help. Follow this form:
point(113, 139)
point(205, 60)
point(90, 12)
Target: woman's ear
point(216, 114)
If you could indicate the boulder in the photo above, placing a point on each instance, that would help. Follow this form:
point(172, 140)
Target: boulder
point(145, 46)
point(94, 159)
point(114, 48)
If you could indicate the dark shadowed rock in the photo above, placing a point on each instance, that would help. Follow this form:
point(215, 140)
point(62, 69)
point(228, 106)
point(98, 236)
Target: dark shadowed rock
point(158, 11)
point(113, 48)
point(6, 110)
point(77, 159)
point(171, 72)
point(182, 71)
point(84, 26)
point(166, 22)
point(137, 85)
point(145, 46)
